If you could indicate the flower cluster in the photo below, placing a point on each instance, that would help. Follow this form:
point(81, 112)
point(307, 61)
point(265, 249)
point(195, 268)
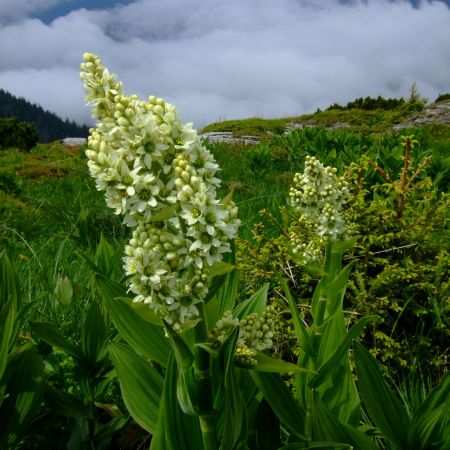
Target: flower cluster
point(157, 174)
point(318, 194)
point(255, 334)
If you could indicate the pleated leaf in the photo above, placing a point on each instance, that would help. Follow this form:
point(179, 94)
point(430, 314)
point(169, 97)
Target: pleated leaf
point(234, 405)
point(93, 335)
point(145, 337)
point(303, 337)
point(186, 387)
point(23, 380)
point(382, 405)
point(182, 431)
point(431, 422)
point(255, 304)
point(281, 401)
point(66, 404)
point(265, 363)
point(50, 334)
point(328, 428)
point(326, 369)
point(140, 384)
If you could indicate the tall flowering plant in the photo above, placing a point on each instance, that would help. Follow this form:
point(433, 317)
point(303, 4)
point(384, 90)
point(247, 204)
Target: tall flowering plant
point(191, 362)
point(155, 172)
point(181, 314)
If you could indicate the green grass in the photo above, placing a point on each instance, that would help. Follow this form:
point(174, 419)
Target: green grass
point(50, 211)
point(253, 126)
point(358, 119)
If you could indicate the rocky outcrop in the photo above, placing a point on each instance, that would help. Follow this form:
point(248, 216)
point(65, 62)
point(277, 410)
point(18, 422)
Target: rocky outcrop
point(228, 137)
point(73, 142)
point(436, 113)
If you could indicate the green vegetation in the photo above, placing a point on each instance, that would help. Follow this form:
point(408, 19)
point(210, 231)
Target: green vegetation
point(58, 232)
point(19, 134)
point(253, 126)
point(363, 114)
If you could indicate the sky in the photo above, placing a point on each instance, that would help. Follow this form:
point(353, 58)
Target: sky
point(226, 59)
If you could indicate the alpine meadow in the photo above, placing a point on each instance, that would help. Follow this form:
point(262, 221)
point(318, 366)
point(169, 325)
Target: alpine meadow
point(262, 284)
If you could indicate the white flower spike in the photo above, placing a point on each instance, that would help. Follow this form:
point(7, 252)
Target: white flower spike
point(155, 172)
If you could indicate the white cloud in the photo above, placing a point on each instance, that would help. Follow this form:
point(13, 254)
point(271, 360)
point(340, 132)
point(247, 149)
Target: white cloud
point(13, 10)
point(238, 58)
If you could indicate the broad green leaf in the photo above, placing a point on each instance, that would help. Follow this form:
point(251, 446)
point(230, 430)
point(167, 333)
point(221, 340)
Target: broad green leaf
point(234, 406)
point(9, 283)
point(282, 402)
point(186, 387)
point(221, 297)
point(9, 305)
point(255, 304)
point(93, 335)
point(265, 363)
point(316, 298)
point(328, 428)
point(159, 436)
point(182, 431)
point(209, 349)
point(326, 369)
point(432, 420)
point(141, 385)
point(144, 337)
point(303, 337)
point(183, 354)
point(429, 430)
point(24, 378)
point(221, 268)
point(50, 334)
point(335, 290)
point(66, 404)
point(143, 310)
point(107, 257)
point(7, 318)
point(382, 405)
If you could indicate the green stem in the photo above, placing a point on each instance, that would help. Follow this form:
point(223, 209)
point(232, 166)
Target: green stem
point(202, 374)
point(332, 267)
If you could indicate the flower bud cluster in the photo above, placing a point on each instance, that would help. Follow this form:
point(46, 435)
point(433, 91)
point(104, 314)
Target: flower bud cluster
point(157, 174)
point(318, 194)
point(255, 334)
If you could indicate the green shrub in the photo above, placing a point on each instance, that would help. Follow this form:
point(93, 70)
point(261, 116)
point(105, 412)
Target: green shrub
point(15, 133)
point(402, 266)
point(442, 97)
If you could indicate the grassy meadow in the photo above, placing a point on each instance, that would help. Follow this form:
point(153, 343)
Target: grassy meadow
point(52, 218)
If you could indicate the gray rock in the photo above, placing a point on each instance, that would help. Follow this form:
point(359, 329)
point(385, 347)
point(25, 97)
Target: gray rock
point(227, 137)
point(73, 142)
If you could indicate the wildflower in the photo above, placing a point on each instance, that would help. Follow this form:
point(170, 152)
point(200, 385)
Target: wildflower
point(318, 195)
point(155, 172)
point(255, 334)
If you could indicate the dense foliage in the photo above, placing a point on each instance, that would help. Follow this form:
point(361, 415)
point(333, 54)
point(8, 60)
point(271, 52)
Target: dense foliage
point(15, 133)
point(49, 126)
point(370, 104)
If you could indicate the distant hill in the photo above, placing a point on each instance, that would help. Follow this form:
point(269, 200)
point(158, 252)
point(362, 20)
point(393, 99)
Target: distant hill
point(50, 127)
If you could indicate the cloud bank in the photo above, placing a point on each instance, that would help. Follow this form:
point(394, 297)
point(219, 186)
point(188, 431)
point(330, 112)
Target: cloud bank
point(222, 60)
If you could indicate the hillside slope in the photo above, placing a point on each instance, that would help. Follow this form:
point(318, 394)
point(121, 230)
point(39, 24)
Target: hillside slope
point(50, 127)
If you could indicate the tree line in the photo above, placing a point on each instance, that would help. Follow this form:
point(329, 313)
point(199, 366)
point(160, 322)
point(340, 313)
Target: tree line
point(49, 126)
